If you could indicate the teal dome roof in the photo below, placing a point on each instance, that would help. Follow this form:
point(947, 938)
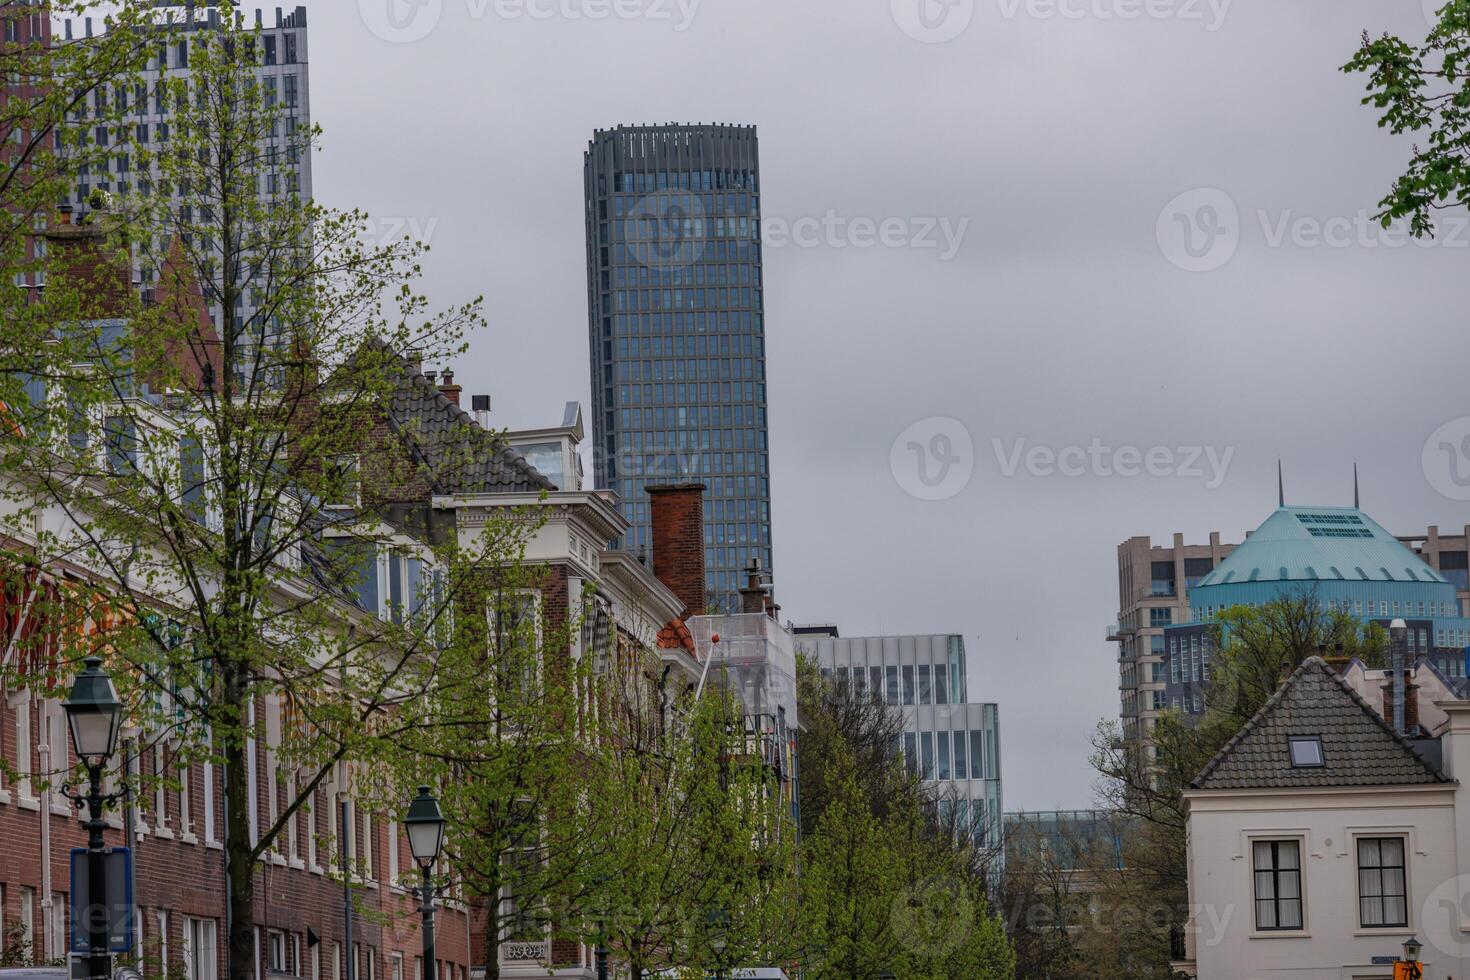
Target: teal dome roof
point(1321, 544)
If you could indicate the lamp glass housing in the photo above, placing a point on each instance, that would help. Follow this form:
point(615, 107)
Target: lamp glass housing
point(93, 713)
point(425, 825)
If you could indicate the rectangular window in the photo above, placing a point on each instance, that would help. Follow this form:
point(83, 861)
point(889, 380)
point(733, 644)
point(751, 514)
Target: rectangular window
point(941, 684)
point(908, 684)
point(926, 754)
point(943, 738)
point(875, 683)
point(342, 484)
point(926, 689)
point(977, 758)
point(275, 951)
point(1382, 892)
point(1278, 877)
point(201, 956)
point(910, 756)
point(892, 674)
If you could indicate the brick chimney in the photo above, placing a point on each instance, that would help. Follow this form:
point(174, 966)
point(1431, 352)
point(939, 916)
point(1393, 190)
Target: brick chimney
point(676, 512)
point(83, 256)
point(448, 388)
point(1411, 702)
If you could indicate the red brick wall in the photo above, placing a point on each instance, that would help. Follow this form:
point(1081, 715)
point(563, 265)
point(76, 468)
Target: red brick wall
point(677, 517)
point(187, 879)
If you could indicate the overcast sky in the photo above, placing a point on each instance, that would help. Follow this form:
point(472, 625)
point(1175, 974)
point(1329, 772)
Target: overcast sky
point(975, 233)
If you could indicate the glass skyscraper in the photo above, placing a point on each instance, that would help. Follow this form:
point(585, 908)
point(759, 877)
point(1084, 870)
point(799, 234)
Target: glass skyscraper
point(677, 332)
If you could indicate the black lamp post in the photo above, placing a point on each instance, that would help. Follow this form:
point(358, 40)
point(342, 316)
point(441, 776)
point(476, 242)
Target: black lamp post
point(425, 825)
point(94, 715)
point(1412, 948)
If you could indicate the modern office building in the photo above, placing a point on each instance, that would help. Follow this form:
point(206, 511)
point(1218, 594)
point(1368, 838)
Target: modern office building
point(1153, 593)
point(283, 72)
point(951, 741)
point(677, 332)
point(1348, 563)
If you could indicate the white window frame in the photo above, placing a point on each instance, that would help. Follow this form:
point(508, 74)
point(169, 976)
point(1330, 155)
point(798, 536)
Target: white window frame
point(201, 948)
point(355, 466)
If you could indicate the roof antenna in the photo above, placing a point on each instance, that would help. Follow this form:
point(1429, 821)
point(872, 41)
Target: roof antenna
point(1357, 499)
point(1280, 485)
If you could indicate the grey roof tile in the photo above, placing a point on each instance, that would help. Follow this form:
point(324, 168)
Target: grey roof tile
point(1358, 747)
point(462, 457)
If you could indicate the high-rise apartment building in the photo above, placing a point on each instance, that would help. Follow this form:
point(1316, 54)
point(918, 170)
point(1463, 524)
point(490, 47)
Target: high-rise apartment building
point(1153, 593)
point(677, 332)
point(953, 743)
point(285, 167)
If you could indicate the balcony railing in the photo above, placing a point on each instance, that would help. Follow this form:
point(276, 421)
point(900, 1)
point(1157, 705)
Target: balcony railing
point(525, 952)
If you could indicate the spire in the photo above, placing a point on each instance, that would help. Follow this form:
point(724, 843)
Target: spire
point(1280, 485)
point(1357, 498)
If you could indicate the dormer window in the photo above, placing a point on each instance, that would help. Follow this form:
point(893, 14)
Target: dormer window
point(1306, 752)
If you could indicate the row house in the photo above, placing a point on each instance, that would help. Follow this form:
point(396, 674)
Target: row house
point(429, 470)
point(1325, 840)
point(174, 822)
point(629, 617)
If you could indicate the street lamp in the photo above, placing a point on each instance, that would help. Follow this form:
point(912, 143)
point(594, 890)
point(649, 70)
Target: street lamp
point(716, 923)
point(425, 825)
point(94, 715)
point(1412, 948)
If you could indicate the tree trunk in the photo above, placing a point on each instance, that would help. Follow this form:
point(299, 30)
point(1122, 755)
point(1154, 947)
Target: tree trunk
point(240, 865)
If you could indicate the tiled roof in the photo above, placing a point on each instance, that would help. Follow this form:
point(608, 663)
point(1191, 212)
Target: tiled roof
point(460, 454)
point(676, 636)
point(1358, 747)
point(1310, 544)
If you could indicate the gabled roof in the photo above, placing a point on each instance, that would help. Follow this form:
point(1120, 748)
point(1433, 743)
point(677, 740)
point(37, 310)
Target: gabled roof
point(1311, 544)
point(1358, 747)
point(461, 455)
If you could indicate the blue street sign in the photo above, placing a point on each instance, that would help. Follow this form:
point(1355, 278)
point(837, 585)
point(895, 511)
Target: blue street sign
point(117, 905)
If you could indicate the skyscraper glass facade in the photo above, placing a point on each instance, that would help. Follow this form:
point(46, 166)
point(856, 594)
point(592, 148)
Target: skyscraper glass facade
point(677, 332)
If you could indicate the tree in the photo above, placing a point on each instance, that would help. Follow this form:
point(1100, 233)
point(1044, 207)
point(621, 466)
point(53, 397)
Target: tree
point(696, 864)
point(887, 884)
point(198, 470)
point(508, 745)
point(1424, 88)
